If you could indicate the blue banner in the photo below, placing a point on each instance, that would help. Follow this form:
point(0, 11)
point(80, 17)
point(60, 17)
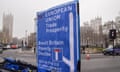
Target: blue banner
point(58, 39)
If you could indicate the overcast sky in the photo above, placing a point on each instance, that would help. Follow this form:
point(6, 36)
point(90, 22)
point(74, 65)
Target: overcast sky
point(24, 11)
point(106, 9)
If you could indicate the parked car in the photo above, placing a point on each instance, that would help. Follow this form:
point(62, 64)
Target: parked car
point(8, 47)
point(14, 46)
point(112, 50)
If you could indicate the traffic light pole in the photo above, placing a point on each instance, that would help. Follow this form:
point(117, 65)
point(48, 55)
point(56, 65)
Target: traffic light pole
point(112, 36)
point(113, 48)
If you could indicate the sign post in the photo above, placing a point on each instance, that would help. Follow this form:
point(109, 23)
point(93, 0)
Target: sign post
point(58, 39)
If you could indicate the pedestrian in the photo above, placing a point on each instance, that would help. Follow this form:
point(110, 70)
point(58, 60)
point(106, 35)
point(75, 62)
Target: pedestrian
point(83, 49)
point(34, 50)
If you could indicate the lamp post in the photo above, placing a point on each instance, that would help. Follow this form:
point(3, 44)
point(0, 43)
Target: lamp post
point(87, 42)
point(26, 39)
point(35, 30)
point(35, 20)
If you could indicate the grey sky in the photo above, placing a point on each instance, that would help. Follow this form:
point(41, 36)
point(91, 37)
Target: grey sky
point(24, 11)
point(107, 9)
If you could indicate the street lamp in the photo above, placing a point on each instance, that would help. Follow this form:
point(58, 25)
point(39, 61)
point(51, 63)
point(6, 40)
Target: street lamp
point(35, 25)
point(35, 30)
point(87, 41)
point(26, 38)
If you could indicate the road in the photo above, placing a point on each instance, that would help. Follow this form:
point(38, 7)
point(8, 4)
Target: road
point(96, 63)
point(25, 56)
point(100, 63)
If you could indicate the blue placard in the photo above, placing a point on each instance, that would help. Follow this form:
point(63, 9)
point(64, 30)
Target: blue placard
point(58, 39)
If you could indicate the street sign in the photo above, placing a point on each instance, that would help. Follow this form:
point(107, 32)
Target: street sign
point(58, 39)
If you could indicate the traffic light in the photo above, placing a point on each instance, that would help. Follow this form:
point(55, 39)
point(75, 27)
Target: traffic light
point(112, 34)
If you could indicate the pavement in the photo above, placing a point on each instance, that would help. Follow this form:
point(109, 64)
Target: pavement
point(20, 50)
point(19, 54)
point(27, 56)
